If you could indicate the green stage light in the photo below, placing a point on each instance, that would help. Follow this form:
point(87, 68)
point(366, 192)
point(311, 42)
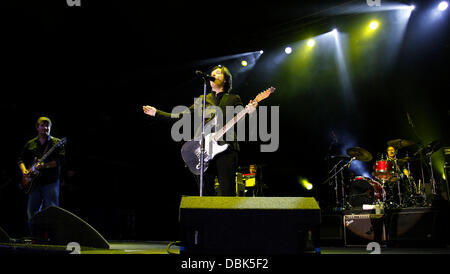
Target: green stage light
point(244, 63)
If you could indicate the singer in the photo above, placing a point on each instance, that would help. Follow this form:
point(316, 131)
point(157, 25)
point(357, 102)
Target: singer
point(224, 165)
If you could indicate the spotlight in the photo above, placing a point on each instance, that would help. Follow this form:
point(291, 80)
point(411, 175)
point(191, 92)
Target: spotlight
point(244, 63)
point(261, 52)
point(288, 50)
point(443, 6)
point(311, 43)
point(306, 184)
point(373, 25)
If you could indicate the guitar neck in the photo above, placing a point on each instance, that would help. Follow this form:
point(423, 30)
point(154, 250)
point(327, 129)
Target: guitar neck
point(47, 154)
point(50, 151)
point(241, 114)
point(230, 124)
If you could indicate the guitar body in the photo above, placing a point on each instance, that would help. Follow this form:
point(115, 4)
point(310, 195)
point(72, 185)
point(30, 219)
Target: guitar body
point(29, 180)
point(191, 152)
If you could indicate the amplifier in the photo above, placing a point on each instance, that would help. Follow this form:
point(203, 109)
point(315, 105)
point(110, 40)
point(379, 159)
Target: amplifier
point(361, 229)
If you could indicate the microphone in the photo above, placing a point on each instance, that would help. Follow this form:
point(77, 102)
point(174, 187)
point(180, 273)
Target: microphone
point(205, 76)
point(351, 160)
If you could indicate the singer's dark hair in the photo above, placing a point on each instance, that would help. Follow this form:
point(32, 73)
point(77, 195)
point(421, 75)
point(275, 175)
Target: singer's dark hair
point(227, 78)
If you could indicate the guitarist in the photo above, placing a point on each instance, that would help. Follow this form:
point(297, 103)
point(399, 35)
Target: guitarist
point(45, 191)
point(224, 165)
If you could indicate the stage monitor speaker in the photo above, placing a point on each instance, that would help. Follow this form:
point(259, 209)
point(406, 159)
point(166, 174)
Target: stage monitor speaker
point(416, 227)
point(4, 238)
point(248, 225)
point(55, 225)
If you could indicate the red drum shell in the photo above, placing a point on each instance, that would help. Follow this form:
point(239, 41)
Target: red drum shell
point(382, 170)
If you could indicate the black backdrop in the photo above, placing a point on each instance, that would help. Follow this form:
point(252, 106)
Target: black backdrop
point(91, 68)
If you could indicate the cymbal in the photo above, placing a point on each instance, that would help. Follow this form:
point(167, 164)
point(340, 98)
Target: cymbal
point(430, 148)
point(359, 153)
point(400, 143)
point(407, 159)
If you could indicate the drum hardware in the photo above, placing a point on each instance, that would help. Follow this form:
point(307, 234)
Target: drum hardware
point(428, 151)
point(355, 153)
point(336, 187)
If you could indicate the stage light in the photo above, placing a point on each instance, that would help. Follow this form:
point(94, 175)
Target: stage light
point(311, 43)
point(306, 184)
point(244, 63)
point(373, 25)
point(288, 50)
point(443, 6)
point(261, 52)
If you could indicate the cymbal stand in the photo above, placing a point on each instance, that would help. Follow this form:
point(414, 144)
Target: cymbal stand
point(398, 183)
point(423, 177)
point(342, 188)
point(433, 182)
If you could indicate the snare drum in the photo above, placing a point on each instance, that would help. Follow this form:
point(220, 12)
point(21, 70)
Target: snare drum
point(383, 170)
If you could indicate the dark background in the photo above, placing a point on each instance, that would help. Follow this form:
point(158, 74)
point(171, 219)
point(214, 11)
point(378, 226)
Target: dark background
point(91, 68)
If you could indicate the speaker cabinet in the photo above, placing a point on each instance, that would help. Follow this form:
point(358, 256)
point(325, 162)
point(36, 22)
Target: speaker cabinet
point(4, 238)
point(331, 230)
point(361, 229)
point(416, 227)
point(55, 225)
point(248, 225)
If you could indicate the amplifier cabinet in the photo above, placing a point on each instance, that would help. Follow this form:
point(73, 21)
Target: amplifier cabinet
point(361, 229)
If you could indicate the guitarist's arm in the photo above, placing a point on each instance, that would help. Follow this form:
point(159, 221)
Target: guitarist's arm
point(51, 164)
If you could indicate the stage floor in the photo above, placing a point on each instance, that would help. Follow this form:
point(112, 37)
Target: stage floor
point(162, 247)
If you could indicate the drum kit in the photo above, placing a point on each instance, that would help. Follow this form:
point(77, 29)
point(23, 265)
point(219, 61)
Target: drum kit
point(392, 184)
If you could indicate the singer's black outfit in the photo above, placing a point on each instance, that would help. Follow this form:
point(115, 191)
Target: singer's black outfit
point(223, 165)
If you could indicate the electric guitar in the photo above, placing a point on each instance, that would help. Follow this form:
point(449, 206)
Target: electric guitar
point(191, 150)
point(28, 181)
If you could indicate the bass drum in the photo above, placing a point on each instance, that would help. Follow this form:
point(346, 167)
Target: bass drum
point(364, 190)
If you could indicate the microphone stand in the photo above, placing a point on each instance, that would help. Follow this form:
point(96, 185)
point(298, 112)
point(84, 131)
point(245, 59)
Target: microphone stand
point(336, 173)
point(202, 141)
